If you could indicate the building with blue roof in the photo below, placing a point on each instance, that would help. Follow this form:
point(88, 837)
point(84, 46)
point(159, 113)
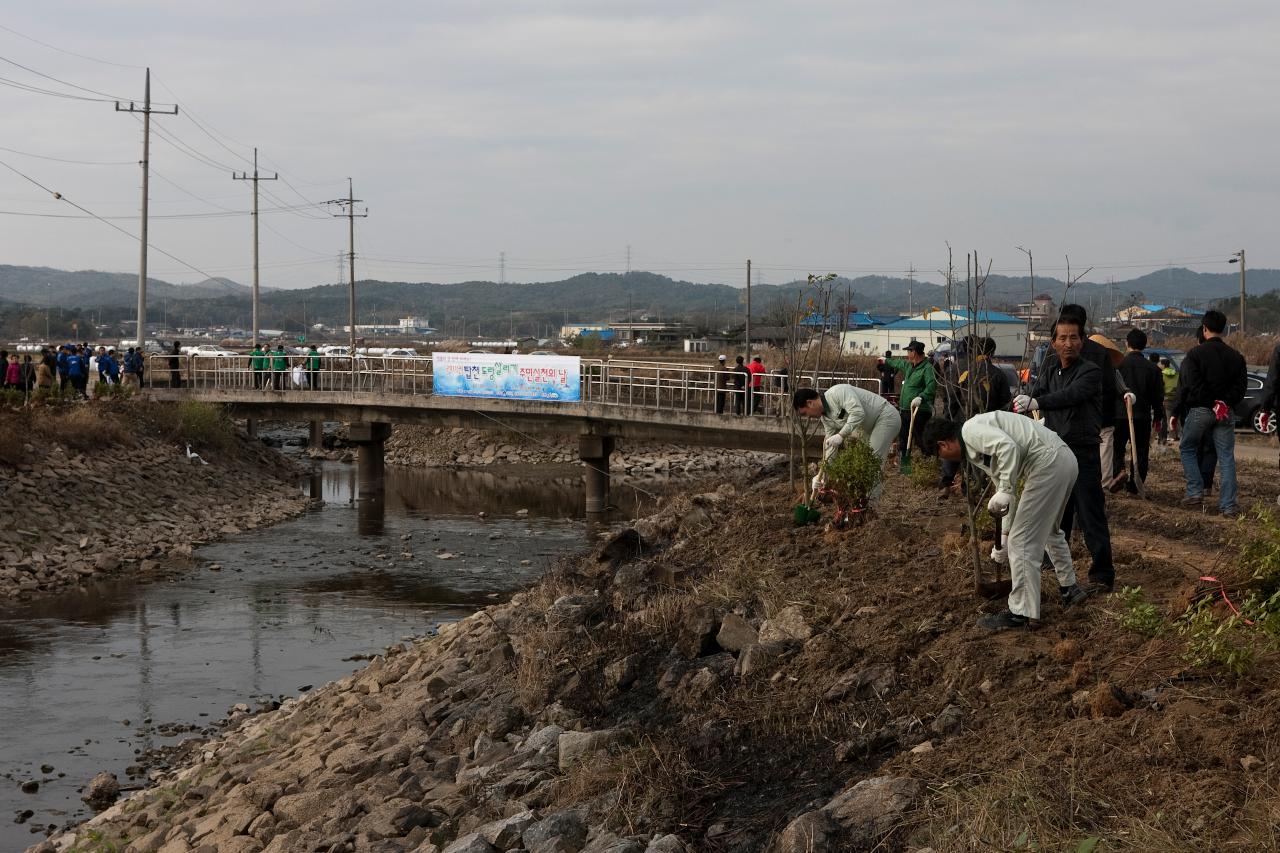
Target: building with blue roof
point(940, 326)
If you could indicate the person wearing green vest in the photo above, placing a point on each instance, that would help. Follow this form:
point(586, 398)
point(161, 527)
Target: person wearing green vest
point(919, 387)
point(313, 367)
point(258, 364)
point(280, 367)
point(1169, 376)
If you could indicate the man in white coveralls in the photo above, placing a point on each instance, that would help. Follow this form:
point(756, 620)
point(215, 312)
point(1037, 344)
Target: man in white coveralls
point(1008, 448)
point(845, 410)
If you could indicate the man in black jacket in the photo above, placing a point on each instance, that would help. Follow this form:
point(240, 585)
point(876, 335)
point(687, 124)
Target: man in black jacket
point(1213, 381)
point(1270, 389)
point(1069, 392)
point(1147, 385)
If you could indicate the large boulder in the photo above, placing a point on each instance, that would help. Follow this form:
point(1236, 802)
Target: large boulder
point(102, 791)
point(872, 809)
point(787, 625)
point(735, 633)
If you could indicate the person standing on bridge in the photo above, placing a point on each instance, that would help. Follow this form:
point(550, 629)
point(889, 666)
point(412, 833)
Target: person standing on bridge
point(258, 365)
point(756, 387)
point(313, 367)
point(723, 375)
point(845, 410)
point(175, 365)
point(740, 377)
point(279, 367)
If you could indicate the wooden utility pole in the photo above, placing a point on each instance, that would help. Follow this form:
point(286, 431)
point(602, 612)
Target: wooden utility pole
point(146, 111)
point(244, 176)
point(747, 333)
point(1239, 258)
point(348, 207)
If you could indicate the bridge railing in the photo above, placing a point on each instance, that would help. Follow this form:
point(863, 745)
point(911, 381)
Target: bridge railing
point(651, 385)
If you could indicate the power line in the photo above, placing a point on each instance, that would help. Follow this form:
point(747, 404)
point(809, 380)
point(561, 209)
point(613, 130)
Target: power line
point(36, 90)
point(60, 197)
point(75, 162)
point(67, 52)
point(29, 70)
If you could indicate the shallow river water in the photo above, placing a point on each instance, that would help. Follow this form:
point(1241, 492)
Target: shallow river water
point(89, 681)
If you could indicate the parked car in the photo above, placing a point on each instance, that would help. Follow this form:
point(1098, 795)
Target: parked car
point(1249, 410)
point(208, 350)
point(542, 352)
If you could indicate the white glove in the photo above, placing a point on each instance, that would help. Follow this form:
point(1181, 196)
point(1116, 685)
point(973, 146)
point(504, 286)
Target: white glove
point(1000, 555)
point(1023, 404)
point(999, 503)
point(832, 444)
point(916, 401)
point(1130, 397)
point(819, 480)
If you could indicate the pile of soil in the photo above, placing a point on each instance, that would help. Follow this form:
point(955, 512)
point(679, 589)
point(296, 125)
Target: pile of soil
point(717, 679)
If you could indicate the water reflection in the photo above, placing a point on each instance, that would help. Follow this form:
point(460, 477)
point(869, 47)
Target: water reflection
point(283, 608)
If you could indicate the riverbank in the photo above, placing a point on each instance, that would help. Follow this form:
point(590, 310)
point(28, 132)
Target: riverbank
point(427, 446)
point(96, 490)
point(717, 679)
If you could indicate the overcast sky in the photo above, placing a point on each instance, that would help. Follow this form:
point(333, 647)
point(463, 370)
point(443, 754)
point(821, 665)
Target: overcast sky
point(839, 136)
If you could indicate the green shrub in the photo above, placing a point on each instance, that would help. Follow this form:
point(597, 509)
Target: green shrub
point(203, 425)
point(1139, 614)
point(1213, 641)
point(1260, 553)
point(12, 398)
point(854, 473)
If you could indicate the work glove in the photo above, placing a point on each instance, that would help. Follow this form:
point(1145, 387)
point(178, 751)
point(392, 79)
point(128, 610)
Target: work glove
point(916, 401)
point(1000, 502)
point(832, 444)
point(1130, 398)
point(1000, 556)
point(1221, 410)
point(819, 480)
point(1023, 404)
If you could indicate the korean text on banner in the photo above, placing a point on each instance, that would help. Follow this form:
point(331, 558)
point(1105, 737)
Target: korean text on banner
point(508, 377)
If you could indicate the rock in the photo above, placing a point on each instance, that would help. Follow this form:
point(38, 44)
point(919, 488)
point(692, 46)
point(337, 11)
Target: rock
point(544, 739)
point(948, 721)
point(570, 610)
point(303, 808)
point(102, 791)
point(30, 786)
point(871, 809)
point(811, 832)
point(1105, 701)
point(735, 633)
point(1250, 763)
point(758, 659)
point(471, 843)
point(697, 632)
point(621, 674)
point(787, 624)
point(922, 748)
point(666, 844)
point(861, 683)
point(574, 746)
point(506, 833)
point(562, 832)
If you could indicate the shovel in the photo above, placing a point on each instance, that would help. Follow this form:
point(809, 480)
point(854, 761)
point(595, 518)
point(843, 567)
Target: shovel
point(997, 587)
point(1133, 452)
point(905, 452)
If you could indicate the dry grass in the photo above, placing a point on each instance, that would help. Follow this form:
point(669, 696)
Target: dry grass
point(1256, 349)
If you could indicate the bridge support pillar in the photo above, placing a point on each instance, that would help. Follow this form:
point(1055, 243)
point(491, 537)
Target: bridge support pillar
point(316, 440)
point(595, 450)
point(251, 427)
point(369, 440)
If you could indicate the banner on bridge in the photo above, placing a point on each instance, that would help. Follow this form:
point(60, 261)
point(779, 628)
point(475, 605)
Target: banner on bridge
point(507, 377)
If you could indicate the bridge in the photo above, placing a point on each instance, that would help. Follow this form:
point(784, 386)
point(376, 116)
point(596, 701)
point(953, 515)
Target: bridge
point(620, 401)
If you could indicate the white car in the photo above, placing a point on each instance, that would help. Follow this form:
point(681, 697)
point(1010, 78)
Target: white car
point(208, 350)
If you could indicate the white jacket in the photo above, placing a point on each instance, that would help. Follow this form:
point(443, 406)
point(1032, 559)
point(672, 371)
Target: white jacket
point(848, 408)
point(1006, 445)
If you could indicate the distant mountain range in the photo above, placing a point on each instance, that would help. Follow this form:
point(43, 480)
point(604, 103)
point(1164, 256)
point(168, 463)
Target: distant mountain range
point(535, 308)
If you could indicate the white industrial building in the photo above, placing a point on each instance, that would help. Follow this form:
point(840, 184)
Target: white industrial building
point(939, 326)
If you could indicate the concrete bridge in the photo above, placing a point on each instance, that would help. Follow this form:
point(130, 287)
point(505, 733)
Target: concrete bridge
point(622, 400)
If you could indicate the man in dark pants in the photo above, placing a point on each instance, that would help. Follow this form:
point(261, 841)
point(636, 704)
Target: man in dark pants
point(722, 383)
point(1213, 382)
point(740, 377)
point(1069, 392)
point(1147, 387)
point(919, 387)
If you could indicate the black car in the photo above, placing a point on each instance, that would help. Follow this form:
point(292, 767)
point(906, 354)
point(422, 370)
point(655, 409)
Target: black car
point(1249, 410)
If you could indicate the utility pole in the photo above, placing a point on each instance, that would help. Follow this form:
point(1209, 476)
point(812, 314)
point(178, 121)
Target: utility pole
point(244, 176)
point(911, 280)
point(747, 332)
point(1239, 257)
point(348, 208)
point(146, 111)
point(628, 259)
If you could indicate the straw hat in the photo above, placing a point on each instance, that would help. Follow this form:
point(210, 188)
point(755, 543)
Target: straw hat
point(1114, 353)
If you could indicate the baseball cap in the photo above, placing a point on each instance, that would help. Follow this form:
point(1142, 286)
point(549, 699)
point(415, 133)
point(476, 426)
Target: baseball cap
point(916, 346)
point(722, 358)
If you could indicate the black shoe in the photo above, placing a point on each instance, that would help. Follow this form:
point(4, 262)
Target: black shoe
point(1196, 501)
point(1232, 513)
point(1072, 595)
point(1003, 621)
point(1097, 588)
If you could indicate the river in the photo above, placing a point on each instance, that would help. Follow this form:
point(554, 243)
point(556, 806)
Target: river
point(89, 681)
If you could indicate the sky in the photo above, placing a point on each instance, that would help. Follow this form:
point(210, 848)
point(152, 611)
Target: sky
point(849, 137)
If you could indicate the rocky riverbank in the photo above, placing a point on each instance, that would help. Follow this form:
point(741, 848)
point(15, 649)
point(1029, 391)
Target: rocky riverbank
point(427, 446)
point(715, 679)
point(108, 488)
